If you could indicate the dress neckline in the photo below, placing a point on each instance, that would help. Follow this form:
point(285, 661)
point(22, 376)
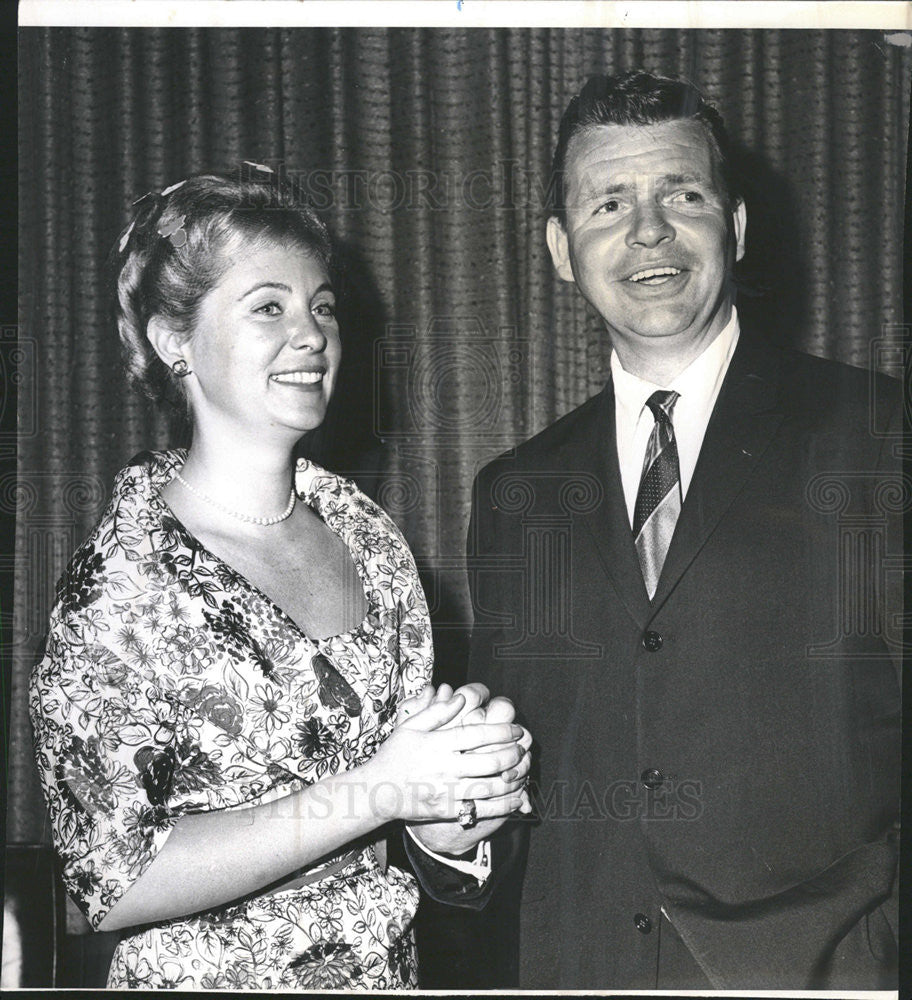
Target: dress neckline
point(167, 464)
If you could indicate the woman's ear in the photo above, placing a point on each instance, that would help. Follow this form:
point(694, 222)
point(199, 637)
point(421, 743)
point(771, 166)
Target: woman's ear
point(167, 343)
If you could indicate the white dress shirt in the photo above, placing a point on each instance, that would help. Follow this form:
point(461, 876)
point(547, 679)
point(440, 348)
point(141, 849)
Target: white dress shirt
point(480, 867)
point(698, 386)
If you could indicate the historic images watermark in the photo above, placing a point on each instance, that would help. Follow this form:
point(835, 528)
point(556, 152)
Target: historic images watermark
point(456, 378)
point(509, 185)
point(448, 394)
point(543, 565)
point(50, 508)
point(869, 561)
point(618, 801)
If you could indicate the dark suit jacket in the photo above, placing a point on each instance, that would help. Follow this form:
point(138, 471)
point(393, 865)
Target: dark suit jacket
point(720, 766)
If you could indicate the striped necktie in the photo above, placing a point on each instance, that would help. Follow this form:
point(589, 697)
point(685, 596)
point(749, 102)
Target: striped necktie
point(658, 501)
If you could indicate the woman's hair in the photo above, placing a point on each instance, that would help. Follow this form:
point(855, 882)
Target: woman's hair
point(178, 247)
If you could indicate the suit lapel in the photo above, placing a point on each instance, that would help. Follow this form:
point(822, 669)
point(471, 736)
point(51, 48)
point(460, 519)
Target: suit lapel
point(742, 425)
point(594, 450)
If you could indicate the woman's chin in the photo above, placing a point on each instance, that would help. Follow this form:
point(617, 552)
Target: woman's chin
point(295, 424)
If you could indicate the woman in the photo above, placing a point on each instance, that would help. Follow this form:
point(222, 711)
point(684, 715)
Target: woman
point(215, 713)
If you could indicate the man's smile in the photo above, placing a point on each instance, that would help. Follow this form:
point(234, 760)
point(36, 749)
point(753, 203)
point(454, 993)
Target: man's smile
point(656, 281)
point(654, 275)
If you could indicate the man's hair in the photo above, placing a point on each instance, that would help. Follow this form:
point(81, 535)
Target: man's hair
point(638, 98)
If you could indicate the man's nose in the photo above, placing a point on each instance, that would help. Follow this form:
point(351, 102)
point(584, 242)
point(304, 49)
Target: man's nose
point(305, 332)
point(649, 226)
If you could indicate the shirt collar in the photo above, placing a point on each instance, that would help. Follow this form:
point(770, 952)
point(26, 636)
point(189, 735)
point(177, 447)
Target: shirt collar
point(698, 384)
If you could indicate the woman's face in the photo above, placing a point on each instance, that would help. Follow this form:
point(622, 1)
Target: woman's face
point(265, 349)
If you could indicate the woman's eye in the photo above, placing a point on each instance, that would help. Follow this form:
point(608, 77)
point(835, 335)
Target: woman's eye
point(269, 309)
point(326, 310)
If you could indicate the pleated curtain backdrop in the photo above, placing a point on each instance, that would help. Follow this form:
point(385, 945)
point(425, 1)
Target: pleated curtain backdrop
point(428, 152)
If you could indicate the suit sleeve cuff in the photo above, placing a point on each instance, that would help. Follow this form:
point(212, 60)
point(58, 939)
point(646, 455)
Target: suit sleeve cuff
point(479, 867)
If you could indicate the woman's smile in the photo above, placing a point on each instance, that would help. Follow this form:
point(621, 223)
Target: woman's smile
point(303, 377)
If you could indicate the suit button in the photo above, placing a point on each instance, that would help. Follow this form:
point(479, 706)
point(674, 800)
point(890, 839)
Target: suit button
point(642, 923)
point(652, 777)
point(652, 641)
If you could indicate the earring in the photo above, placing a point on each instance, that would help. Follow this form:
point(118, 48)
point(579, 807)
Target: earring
point(180, 368)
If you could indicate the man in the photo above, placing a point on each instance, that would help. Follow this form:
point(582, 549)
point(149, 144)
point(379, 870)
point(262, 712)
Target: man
point(663, 587)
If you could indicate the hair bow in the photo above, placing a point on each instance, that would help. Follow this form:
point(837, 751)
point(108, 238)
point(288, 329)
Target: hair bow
point(173, 230)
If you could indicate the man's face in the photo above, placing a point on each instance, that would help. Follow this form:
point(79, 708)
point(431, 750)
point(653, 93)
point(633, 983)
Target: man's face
point(649, 237)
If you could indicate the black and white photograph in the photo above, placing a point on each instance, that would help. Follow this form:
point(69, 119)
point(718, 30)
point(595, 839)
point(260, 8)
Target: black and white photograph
point(459, 492)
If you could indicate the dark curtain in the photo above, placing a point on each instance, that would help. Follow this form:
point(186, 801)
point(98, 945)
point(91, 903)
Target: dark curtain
point(428, 151)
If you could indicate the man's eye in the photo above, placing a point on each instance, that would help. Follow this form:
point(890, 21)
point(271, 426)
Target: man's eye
point(610, 206)
point(688, 197)
point(269, 309)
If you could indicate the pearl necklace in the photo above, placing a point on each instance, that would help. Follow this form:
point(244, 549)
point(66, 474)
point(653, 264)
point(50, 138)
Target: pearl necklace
point(241, 517)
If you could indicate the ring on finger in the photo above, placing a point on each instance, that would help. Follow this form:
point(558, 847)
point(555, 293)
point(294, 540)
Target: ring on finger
point(468, 814)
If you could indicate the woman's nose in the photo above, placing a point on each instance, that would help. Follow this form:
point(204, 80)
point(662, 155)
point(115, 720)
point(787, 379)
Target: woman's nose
point(649, 226)
point(306, 333)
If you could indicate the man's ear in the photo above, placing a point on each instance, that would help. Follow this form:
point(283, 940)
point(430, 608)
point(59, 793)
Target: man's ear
point(167, 343)
point(559, 245)
point(739, 219)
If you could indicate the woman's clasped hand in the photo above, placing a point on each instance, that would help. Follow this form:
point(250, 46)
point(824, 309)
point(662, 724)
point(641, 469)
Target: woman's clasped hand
point(445, 751)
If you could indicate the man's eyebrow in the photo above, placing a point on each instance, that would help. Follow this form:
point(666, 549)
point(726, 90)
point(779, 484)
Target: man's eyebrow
point(598, 190)
point(265, 284)
point(673, 180)
point(609, 188)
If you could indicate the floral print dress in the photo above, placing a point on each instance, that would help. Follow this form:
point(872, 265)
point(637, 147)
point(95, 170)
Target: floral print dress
point(170, 685)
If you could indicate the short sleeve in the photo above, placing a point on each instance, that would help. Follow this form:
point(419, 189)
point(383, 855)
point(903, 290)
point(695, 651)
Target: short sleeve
point(105, 749)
